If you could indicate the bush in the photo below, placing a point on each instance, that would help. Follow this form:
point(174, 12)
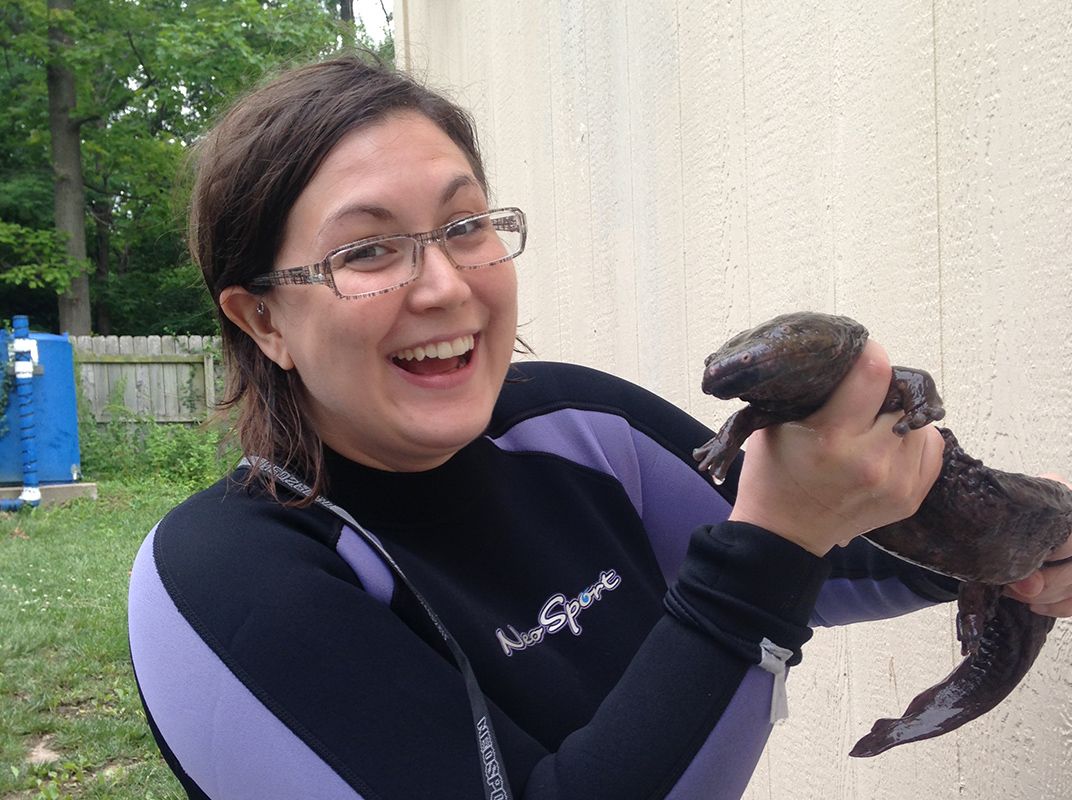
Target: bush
point(194, 457)
point(135, 448)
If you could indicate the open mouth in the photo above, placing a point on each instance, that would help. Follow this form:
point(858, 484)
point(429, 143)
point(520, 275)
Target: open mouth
point(437, 358)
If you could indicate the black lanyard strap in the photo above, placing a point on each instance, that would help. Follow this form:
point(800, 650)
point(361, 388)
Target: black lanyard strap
point(496, 785)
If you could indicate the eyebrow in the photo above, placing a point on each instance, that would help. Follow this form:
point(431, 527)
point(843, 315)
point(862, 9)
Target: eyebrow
point(457, 183)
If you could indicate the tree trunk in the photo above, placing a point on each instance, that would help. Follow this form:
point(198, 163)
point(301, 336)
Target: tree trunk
point(349, 30)
point(69, 194)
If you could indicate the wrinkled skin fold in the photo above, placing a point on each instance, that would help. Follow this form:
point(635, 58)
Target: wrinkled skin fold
point(981, 525)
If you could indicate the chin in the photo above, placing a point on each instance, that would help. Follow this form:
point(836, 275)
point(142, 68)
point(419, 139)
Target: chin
point(448, 439)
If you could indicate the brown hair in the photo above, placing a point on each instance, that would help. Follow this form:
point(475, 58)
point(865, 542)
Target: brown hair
point(249, 170)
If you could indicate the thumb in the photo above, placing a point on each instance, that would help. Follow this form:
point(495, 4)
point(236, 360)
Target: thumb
point(1030, 586)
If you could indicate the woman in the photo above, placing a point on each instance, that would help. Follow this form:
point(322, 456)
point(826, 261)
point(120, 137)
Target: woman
point(368, 301)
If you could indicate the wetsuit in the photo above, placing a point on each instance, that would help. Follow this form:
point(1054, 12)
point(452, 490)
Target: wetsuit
point(628, 639)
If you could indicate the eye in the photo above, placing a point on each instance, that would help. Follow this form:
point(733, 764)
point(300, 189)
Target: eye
point(468, 227)
point(369, 257)
point(364, 252)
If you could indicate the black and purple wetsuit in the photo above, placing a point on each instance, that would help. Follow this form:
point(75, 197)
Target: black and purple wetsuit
point(621, 630)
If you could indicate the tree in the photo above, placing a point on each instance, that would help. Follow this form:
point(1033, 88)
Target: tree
point(148, 76)
point(34, 267)
point(68, 194)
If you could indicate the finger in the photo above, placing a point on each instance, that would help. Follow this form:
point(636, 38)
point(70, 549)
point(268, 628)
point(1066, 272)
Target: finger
point(930, 462)
point(918, 461)
point(1062, 608)
point(1056, 584)
point(917, 454)
point(1053, 476)
point(856, 401)
point(1026, 589)
point(1044, 586)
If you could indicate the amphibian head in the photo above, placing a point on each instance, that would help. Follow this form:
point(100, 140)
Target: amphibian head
point(789, 364)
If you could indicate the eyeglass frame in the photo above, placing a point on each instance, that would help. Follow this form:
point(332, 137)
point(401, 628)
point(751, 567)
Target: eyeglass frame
point(320, 274)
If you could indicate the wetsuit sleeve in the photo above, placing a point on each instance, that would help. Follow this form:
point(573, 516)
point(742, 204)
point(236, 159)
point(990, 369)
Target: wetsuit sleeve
point(692, 714)
point(646, 443)
point(867, 583)
point(268, 671)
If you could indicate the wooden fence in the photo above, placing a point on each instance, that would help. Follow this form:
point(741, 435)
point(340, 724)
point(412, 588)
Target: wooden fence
point(167, 378)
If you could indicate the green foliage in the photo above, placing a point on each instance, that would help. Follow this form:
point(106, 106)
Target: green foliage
point(7, 378)
point(166, 302)
point(130, 446)
point(50, 781)
point(151, 75)
point(188, 457)
point(35, 258)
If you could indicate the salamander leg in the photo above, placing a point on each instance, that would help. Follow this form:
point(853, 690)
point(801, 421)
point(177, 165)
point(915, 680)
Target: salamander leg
point(976, 605)
point(914, 392)
point(718, 453)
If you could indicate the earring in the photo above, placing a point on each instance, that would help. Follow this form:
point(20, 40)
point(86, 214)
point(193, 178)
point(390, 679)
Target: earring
point(260, 308)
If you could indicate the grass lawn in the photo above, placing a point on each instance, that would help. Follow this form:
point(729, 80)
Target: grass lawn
point(67, 694)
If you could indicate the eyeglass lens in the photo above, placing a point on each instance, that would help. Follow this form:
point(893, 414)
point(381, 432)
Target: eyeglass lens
point(470, 243)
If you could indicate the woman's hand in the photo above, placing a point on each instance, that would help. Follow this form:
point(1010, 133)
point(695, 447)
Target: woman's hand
point(1048, 591)
point(842, 471)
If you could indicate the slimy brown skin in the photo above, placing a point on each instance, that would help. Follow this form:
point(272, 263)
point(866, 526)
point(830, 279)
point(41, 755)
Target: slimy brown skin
point(981, 525)
point(1006, 650)
point(786, 368)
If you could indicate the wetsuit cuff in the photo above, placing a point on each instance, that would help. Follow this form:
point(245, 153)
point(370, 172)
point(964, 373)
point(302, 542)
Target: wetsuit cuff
point(742, 584)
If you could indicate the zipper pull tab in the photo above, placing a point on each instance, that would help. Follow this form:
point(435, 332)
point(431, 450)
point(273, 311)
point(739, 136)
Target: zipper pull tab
point(772, 659)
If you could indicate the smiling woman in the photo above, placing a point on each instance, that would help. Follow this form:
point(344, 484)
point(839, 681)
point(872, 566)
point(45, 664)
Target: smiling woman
point(371, 407)
point(318, 128)
point(350, 613)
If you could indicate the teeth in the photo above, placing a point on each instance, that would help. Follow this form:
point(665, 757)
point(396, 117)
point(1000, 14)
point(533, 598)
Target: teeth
point(456, 347)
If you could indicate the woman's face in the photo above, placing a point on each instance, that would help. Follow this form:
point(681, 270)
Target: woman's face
point(364, 398)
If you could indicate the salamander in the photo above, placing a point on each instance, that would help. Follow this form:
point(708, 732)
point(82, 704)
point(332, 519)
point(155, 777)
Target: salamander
point(983, 526)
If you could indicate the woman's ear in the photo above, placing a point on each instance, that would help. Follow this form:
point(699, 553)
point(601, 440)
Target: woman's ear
point(252, 314)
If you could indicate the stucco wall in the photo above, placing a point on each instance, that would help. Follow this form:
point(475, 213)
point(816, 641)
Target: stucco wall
point(692, 168)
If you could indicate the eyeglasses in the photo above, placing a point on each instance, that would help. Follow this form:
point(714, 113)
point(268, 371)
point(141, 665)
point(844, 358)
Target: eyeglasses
point(381, 264)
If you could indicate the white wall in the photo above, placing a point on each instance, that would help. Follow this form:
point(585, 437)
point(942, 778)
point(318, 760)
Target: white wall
point(692, 168)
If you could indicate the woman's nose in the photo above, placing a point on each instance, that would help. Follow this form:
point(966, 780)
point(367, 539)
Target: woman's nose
point(439, 283)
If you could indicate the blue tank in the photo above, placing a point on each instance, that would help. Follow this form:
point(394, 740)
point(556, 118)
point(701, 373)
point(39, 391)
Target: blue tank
point(55, 413)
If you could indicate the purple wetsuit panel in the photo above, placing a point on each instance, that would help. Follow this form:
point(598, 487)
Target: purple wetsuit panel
point(651, 476)
point(846, 600)
point(366, 563)
point(725, 763)
point(225, 739)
